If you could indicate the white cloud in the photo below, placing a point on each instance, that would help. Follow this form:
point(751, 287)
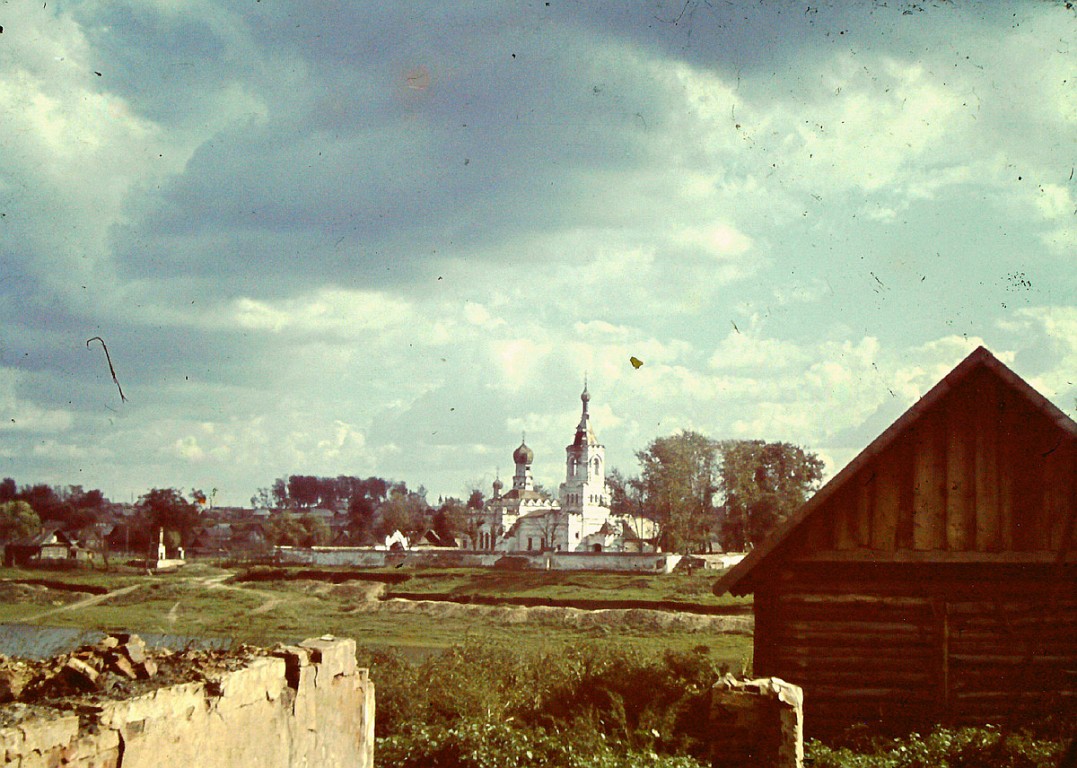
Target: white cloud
point(1058, 325)
point(331, 311)
point(745, 350)
point(18, 414)
point(189, 449)
point(518, 361)
point(719, 241)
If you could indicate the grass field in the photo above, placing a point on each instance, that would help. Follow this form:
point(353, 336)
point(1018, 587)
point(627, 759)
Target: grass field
point(205, 601)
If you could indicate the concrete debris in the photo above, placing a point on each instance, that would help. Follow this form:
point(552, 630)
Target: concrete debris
point(80, 675)
point(116, 667)
point(14, 677)
point(122, 666)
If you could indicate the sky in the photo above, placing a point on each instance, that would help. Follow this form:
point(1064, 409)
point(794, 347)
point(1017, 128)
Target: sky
point(391, 238)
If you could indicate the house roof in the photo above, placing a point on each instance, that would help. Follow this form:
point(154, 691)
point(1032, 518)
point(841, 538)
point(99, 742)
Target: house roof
point(980, 358)
point(45, 538)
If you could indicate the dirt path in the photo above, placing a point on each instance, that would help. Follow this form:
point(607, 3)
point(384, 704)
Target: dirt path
point(84, 603)
point(614, 619)
point(271, 601)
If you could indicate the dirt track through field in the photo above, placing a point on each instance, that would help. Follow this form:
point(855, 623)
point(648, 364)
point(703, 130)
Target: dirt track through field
point(84, 603)
point(271, 601)
point(640, 619)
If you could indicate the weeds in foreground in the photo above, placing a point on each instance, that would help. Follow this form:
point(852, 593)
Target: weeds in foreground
point(593, 706)
point(971, 747)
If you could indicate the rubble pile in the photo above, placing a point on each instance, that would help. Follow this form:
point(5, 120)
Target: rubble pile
point(117, 667)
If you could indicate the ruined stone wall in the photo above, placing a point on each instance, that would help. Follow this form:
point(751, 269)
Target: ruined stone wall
point(758, 723)
point(306, 705)
point(364, 557)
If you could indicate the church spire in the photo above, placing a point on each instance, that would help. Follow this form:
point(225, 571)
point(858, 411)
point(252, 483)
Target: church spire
point(584, 433)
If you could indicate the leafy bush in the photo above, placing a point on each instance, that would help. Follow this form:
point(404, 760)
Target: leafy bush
point(479, 743)
point(983, 747)
point(484, 706)
point(611, 700)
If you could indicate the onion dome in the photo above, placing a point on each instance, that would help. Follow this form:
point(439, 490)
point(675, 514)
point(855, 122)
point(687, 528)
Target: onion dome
point(523, 454)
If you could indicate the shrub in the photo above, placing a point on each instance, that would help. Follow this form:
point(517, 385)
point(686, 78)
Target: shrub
point(479, 743)
point(479, 705)
point(604, 697)
point(981, 747)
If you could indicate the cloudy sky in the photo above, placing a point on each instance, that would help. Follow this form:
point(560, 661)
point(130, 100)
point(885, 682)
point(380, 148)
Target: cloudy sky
point(357, 238)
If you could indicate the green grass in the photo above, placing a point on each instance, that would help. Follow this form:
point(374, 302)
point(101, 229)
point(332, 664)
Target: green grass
point(118, 576)
point(693, 588)
point(567, 585)
point(182, 603)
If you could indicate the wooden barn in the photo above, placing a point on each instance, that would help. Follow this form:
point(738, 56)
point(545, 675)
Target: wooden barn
point(934, 578)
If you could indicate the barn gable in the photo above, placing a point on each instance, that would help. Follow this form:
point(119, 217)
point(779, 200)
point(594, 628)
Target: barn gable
point(980, 470)
point(931, 580)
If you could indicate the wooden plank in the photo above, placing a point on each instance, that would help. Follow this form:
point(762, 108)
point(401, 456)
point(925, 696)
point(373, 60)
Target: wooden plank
point(960, 485)
point(818, 534)
point(825, 602)
point(864, 483)
point(912, 556)
point(1022, 449)
point(843, 514)
point(862, 631)
point(764, 635)
point(1013, 447)
point(945, 682)
point(887, 500)
point(1060, 493)
point(986, 462)
point(929, 484)
point(903, 538)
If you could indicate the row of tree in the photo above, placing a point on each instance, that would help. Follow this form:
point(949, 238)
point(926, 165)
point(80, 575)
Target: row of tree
point(374, 506)
point(68, 507)
point(701, 492)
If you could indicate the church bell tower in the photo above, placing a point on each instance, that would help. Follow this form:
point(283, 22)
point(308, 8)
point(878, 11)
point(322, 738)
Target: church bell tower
point(584, 490)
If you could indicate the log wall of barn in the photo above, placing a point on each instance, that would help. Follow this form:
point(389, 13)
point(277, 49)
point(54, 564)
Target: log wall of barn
point(914, 644)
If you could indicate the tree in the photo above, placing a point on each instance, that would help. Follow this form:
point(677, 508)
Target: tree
point(17, 520)
point(762, 484)
point(627, 502)
point(82, 508)
point(167, 508)
point(366, 496)
point(288, 530)
point(626, 494)
point(677, 485)
point(280, 493)
point(303, 490)
point(316, 531)
point(7, 489)
point(403, 511)
point(450, 519)
point(476, 499)
point(46, 502)
point(262, 499)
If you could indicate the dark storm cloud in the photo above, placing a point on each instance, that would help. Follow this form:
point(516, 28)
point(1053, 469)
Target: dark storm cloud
point(392, 134)
point(363, 161)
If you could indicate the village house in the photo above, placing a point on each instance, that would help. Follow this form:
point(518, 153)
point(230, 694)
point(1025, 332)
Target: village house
point(50, 547)
point(934, 578)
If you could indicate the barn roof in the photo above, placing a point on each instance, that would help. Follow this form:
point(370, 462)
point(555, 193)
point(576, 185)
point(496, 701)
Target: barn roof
point(981, 358)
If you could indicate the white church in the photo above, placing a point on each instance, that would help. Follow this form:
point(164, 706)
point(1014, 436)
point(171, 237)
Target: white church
point(580, 520)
